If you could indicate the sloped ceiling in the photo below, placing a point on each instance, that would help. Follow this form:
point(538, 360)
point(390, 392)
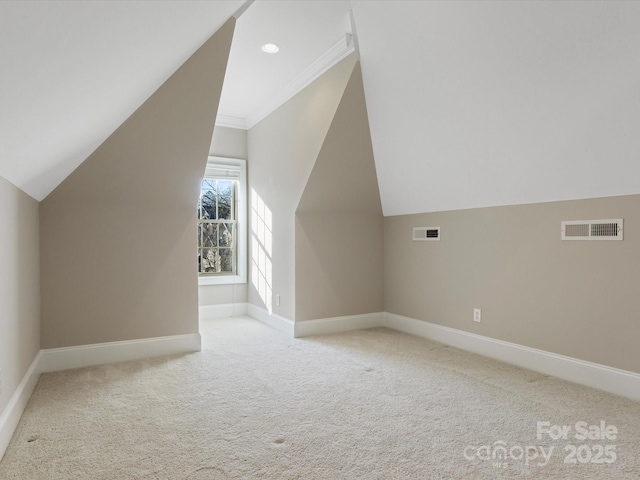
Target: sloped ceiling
point(470, 103)
point(73, 71)
point(484, 103)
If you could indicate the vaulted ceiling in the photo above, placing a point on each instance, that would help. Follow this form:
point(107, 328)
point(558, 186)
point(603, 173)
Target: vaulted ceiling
point(485, 103)
point(470, 103)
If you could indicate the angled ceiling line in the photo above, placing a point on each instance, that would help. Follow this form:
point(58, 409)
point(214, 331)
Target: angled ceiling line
point(354, 34)
point(238, 13)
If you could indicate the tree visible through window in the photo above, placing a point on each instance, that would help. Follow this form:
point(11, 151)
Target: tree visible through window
point(217, 227)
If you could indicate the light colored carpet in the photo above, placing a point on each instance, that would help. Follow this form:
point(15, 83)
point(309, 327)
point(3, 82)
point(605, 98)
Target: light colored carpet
point(369, 404)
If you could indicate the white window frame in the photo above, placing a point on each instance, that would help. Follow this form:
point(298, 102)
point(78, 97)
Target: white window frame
point(235, 167)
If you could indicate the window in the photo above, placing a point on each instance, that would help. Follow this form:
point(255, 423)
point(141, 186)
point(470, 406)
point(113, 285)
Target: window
point(222, 234)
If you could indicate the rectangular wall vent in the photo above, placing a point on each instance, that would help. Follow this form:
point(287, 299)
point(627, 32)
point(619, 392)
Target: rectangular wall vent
point(426, 233)
point(592, 229)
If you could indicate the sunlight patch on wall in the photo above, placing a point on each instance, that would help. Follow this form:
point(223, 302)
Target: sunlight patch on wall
point(261, 249)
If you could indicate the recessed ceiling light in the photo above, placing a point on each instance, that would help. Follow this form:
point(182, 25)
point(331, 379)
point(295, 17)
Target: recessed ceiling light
point(270, 48)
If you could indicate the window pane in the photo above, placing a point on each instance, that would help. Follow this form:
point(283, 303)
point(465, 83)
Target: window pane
point(210, 261)
point(224, 208)
point(226, 259)
point(225, 238)
point(208, 201)
point(217, 240)
point(208, 185)
point(224, 187)
point(209, 234)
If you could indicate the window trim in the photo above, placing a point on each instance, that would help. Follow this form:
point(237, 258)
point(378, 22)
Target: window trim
point(240, 165)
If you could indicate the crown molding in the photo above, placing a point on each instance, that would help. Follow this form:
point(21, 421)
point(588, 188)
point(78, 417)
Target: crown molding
point(324, 62)
point(230, 122)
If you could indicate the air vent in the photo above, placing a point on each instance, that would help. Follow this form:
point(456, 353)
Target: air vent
point(426, 233)
point(592, 229)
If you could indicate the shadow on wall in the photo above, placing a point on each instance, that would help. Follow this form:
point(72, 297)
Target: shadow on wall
point(261, 249)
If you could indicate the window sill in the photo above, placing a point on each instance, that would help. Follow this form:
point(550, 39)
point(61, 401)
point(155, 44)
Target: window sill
point(221, 280)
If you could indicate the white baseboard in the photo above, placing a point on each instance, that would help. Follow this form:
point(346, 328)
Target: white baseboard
point(54, 359)
point(282, 324)
point(338, 324)
point(209, 312)
point(602, 377)
point(18, 402)
point(613, 380)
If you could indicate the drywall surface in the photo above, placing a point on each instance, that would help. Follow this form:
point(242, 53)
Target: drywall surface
point(222, 294)
point(339, 223)
point(487, 103)
point(574, 298)
point(118, 235)
point(72, 71)
point(19, 287)
point(229, 143)
point(282, 149)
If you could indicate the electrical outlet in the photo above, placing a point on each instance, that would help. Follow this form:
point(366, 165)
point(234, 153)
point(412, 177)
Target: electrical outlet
point(477, 315)
point(0, 382)
point(278, 300)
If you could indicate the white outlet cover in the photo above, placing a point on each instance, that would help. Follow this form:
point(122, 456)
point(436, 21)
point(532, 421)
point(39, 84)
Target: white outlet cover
point(477, 315)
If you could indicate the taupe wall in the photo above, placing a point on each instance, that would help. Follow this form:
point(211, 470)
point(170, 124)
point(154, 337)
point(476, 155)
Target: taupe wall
point(117, 236)
point(230, 143)
point(339, 224)
point(19, 287)
point(282, 150)
point(575, 298)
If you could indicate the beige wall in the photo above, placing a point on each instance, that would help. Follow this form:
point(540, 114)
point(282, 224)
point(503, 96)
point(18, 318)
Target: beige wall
point(229, 143)
point(339, 224)
point(575, 298)
point(282, 150)
point(118, 236)
point(19, 287)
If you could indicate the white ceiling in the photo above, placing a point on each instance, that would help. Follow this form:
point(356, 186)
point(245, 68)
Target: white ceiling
point(470, 103)
point(304, 31)
point(487, 103)
point(73, 71)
